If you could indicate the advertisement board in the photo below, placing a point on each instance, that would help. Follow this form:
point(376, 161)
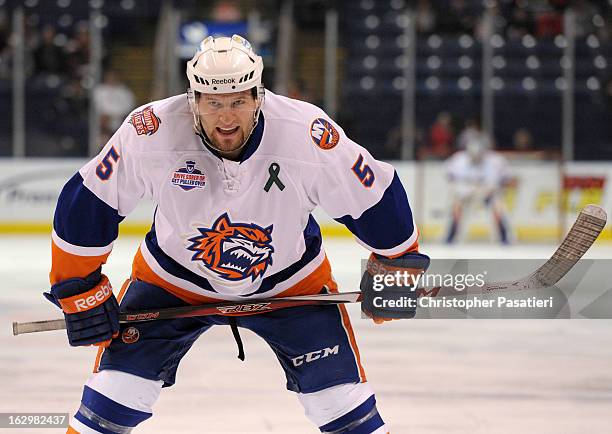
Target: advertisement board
point(541, 199)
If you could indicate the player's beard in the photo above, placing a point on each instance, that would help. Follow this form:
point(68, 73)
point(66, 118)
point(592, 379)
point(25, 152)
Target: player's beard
point(230, 143)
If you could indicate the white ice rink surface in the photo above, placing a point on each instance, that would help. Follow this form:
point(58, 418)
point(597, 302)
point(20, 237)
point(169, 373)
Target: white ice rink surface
point(430, 376)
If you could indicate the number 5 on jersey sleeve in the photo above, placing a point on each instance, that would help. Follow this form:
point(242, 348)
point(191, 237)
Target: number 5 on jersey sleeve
point(363, 172)
point(105, 168)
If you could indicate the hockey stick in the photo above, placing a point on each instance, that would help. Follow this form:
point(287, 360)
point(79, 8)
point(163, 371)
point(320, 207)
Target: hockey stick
point(227, 307)
point(582, 235)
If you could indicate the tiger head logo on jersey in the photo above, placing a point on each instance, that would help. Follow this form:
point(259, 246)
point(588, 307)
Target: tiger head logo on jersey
point(234, 251)
point(323, 134)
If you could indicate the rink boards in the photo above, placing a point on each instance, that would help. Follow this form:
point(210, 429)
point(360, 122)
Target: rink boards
point(542, 198)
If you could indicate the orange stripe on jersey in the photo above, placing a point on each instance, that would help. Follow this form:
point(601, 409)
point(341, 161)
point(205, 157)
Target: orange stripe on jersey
point(123, 290)
point(101, 349)
point(65, 265)
point(142, 271)
point(72, 430)
point(96, 366)
point(349, 330)
point(311, 284)
point(346, 322)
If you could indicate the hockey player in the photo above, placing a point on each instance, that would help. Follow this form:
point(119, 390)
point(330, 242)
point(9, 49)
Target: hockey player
point(235, 181)
point(477, 174)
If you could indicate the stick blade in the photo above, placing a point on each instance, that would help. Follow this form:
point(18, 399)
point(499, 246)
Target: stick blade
point(595, 211)
point(581, 236)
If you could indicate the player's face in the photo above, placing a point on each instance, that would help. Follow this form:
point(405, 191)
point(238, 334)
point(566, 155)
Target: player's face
point(228, 118)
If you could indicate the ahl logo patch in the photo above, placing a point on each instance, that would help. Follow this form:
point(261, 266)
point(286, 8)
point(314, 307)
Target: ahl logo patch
point(323, 134)
point(234, 251)
point(145, 122)
point(189, 177)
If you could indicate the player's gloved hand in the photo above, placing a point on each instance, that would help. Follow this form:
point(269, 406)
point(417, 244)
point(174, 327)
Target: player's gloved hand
point(388, 286)
point(90, 308)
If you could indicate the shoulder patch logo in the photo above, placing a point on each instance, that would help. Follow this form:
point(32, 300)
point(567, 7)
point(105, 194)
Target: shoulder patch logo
point(234, 251)
point(189, 177)
point(145, 122)
point(323, 134)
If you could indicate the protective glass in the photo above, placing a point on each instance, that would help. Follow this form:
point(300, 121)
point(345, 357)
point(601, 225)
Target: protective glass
point(216, 106)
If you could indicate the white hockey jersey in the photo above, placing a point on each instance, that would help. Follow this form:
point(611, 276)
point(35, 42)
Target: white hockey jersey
point(490, 172)
point(227, 229)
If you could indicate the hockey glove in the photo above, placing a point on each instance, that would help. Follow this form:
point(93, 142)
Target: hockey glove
point(90, 308)
point(389, 286)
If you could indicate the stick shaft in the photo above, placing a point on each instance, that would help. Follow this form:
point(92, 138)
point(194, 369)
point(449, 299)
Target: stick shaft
point(38, 326)
point(222, 308)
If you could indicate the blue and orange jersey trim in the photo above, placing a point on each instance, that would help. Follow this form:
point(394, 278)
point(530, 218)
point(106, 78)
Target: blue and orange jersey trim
point(310, 283)
point(68, 261)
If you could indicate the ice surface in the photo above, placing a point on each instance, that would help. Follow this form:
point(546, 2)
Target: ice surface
point(431, 376)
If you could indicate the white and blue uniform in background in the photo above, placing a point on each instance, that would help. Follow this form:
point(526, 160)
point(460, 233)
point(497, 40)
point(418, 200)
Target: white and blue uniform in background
point(477, 178)
point(230, 230)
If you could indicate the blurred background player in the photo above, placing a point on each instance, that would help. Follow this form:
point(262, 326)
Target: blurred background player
point(477, 175)
point(113, 101)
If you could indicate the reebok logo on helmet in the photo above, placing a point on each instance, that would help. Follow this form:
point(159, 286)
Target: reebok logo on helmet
point(223, 81)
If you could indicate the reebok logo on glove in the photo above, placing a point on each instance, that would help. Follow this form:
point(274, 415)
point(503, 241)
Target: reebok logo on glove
point(88, 300)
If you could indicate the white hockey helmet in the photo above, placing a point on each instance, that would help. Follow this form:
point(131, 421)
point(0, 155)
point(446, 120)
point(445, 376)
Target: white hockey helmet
point(224, 65)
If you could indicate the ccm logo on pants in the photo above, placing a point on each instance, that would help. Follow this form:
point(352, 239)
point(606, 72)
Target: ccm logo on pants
point(315, 355)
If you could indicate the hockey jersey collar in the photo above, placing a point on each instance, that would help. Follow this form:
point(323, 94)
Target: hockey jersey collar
point(251, 145)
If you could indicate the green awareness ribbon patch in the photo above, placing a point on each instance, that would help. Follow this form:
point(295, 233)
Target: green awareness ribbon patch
point(274, 170)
